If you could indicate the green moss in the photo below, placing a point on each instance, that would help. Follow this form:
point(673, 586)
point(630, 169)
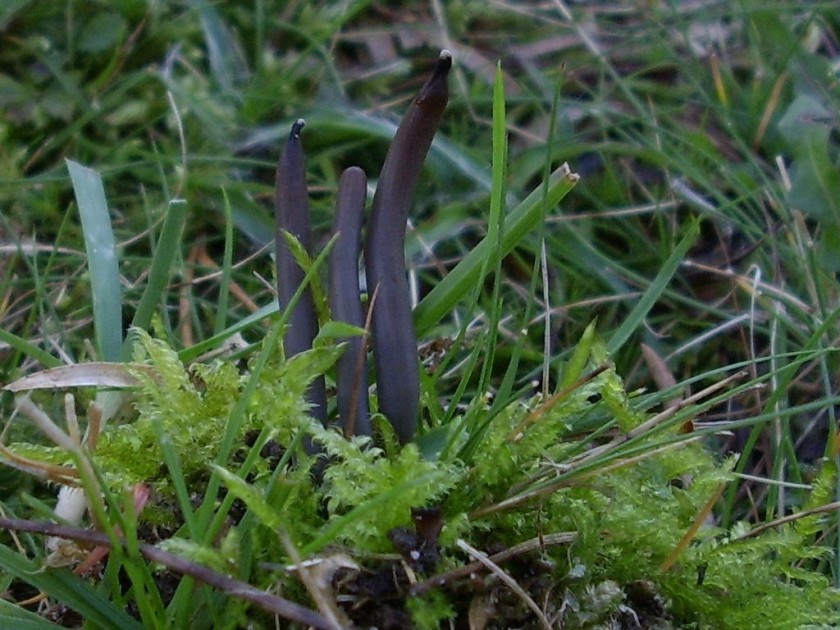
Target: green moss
point(430, 611)
point(359, 473)
point(628, 508)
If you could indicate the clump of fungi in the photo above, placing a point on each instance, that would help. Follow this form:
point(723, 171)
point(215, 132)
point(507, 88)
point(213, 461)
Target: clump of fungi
point(394, 341)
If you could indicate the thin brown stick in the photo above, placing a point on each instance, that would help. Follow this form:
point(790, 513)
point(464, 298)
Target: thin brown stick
point(759, 529)
point(541, 542)
point(329, 609)
point(184, 302)
point(519, 432)
point(701, 517)
point(507, 579)
point(236, 588)
point(235, 290)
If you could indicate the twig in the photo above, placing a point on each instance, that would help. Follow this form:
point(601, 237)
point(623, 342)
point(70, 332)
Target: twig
point(328, 608)
point(519, 432)
point(507, 579)
point(755, 531)
point(550, 540)
point(236, 588)
point(692, 531)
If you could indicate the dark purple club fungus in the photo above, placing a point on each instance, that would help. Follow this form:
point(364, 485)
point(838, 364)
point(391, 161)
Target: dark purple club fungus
point(351, 371)
point(394, 338)
point(291, 206)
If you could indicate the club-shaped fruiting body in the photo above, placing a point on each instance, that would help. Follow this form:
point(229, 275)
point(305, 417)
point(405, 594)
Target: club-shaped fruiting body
point(291, 205)
point(346, 305)
point(394, 338)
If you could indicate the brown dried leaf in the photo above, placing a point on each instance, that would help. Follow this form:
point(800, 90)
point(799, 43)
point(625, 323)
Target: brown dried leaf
point(95, 374)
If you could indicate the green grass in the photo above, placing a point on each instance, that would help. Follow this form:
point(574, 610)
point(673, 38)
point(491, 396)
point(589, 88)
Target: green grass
point(139, 143)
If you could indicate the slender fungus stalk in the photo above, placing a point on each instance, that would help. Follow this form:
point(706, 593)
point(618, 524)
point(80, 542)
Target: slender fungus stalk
point(351, 382)
point(394, 339)
point(291, 206)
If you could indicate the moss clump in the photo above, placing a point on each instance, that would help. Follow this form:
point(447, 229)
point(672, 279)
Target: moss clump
point(625, 499)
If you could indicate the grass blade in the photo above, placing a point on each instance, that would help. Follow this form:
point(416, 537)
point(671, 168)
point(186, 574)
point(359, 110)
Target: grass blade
point(167, 249)
point(68, 589)
point(188, 355)
point(468, 273)
point(8, 10)
point(101, 259)
point(659, 284)
point(12, 616)
point(226, 62)
point(29, 349)
point(495, 232)
point(227, 264)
